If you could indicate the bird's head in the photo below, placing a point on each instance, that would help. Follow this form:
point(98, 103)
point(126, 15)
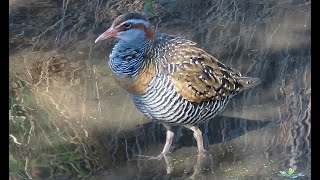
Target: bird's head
point(129, 27)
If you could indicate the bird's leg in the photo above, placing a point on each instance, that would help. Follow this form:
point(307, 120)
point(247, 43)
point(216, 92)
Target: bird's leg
point(166, 147)
point(198, 136)
point(168, 143)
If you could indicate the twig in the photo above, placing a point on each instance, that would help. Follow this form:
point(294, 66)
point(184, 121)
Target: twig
point(14, 139)
point(26, 167)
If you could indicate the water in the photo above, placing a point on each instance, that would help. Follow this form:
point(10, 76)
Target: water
point(69, 119)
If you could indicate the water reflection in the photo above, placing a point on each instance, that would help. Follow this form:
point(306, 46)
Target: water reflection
point(184, 158)
point(71, 103)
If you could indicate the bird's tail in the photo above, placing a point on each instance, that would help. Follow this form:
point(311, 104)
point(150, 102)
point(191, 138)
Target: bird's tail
point(249, 82)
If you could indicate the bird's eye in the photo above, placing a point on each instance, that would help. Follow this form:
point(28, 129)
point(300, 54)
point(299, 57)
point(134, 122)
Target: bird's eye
point(127, 25)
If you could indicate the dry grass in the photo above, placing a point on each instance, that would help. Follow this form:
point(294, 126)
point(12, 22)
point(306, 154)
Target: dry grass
point(61, 109)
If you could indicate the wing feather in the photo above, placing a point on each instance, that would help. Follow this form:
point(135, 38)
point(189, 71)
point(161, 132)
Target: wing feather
point(196, 75)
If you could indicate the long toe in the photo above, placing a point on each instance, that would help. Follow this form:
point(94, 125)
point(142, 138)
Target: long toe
point(159, 157)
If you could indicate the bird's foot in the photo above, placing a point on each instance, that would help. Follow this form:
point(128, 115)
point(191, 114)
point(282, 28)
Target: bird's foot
point(202, 152)
point(159, 157)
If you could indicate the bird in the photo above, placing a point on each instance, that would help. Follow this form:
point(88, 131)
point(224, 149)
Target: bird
point(170, 80)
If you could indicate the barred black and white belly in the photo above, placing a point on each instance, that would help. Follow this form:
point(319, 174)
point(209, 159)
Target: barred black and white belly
point(163, 104)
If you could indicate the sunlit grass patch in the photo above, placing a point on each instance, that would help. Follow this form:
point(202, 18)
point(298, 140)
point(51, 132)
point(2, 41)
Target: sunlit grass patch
point(43, 144)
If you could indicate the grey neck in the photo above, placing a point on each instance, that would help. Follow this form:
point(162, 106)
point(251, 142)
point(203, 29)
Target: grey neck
point(127, 58)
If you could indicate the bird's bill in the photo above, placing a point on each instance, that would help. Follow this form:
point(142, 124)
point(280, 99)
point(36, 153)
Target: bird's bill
point(111, 32)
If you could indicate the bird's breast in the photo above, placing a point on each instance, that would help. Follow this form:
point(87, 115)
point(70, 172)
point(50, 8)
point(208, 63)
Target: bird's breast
point(139, 83)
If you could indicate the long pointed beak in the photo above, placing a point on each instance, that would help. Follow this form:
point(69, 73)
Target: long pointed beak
point(111, 32)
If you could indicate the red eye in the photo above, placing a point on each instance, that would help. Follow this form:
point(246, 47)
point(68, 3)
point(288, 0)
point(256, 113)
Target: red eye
point(127, 25)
